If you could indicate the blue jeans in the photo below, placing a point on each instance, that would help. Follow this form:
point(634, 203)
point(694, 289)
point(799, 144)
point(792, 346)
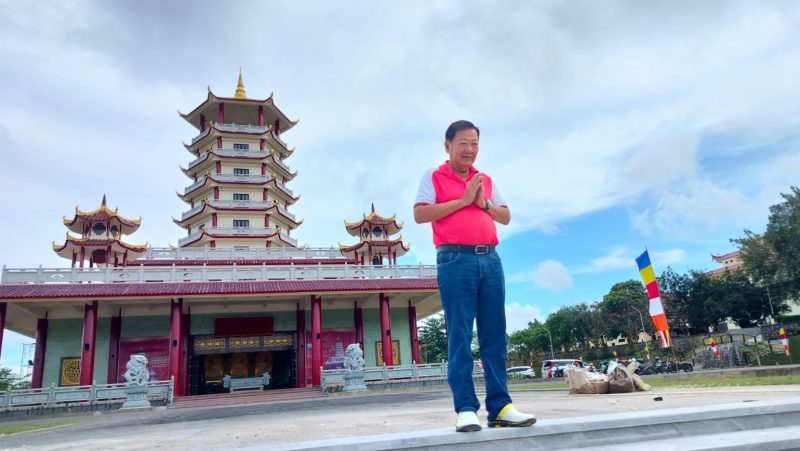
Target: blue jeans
point(473, 287)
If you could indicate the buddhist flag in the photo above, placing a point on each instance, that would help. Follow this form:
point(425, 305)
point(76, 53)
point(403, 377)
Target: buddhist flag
point(713, 344)
point(656, 308)
point(784, 340)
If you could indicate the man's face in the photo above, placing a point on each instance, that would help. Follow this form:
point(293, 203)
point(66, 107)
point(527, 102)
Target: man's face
point(463, 149)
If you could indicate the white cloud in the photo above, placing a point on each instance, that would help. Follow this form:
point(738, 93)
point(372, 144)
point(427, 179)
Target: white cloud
point(549, 275)
point(579, 111)
point(618, 258)
point(519, 315)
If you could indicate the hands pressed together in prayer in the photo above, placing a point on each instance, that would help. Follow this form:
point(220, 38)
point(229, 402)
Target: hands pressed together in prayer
point(474, 193)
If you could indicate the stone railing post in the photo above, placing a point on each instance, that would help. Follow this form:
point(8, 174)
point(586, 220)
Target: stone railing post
point(385, 373)
point(93, 392)
point(51, 394)
point(414, 371)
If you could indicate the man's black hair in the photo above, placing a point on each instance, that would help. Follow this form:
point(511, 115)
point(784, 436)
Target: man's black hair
point(457, 126)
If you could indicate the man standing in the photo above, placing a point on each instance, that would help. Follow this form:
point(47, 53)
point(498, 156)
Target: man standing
point(462, 206)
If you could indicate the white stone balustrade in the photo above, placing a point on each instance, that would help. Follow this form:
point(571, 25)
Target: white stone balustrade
point(206, 253)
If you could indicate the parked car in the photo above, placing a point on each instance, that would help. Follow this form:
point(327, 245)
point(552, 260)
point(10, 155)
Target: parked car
point(521, 372)
point(557, 367)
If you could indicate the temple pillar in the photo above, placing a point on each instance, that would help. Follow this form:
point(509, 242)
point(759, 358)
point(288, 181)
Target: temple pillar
point(316, 339)
point(300, 317)
point(187, 334)
point(83, 255)
point(2, 324)
point(202, 123)
point(87, 343)
point(113, 348)
point(358, 316)
point(260, 115)
point(39, 352)
point(386, 329)
point(175, 343)
point(412, 329)
point(221, 113)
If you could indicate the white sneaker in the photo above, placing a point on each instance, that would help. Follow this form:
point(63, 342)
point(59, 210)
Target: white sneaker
point(511, 417)
point(467, 421)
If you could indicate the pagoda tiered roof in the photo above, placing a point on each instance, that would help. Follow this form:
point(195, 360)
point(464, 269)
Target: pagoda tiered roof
point(398, 245)
point(72, 245)
point(252, 130)
point(101, 214)
point(255, 206)
point(392, 227)
point(237, 115)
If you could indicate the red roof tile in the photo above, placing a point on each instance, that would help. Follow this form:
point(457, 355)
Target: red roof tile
point(161, 289)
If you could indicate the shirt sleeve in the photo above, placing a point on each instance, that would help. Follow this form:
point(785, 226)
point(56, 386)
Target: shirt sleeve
point(426, 194)
point(497, 198)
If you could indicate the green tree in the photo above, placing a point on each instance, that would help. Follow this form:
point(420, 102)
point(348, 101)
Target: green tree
point(433, 339)
point(10, 382)
point(675, 290)
point(524, 344)
point(772, 260)
point(618, 309)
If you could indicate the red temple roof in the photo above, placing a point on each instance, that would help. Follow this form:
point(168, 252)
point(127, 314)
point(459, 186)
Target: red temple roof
point(212, 100)
point(166, 289)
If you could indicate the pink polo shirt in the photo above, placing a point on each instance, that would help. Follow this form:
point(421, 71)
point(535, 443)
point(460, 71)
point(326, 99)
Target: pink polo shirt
point(469, 225)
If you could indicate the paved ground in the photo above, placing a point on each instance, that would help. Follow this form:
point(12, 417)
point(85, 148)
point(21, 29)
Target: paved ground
point(339, 416)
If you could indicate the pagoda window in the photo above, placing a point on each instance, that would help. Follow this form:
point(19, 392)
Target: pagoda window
point(365, 232)
point(240, 146)
point(241, 248)
point(241, 223)
point(376, 231)
point(241, 196)
point(99, 228)
point(241, 171)
point(114, 231)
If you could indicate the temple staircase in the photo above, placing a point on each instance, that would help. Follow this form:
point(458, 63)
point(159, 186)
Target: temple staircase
point(246, 397)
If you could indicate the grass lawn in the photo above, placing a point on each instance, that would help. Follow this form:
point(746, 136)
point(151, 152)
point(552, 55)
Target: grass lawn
point(6, 429)
point(666, 382)
point(724, 381)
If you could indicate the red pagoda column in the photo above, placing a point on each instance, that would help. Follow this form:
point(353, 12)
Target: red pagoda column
point(358, 314)
point(87, 347)
point(113, 349)
point(300, 316)
point(412, 329)
point(316, 339)
point(386, 330)
point(38, 354)
point(221, 113)
point(187, 334)
point(260, 115)
point(175, 343)
point(2, 324)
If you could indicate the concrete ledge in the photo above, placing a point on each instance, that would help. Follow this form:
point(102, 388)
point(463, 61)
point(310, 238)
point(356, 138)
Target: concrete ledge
point(683, 426)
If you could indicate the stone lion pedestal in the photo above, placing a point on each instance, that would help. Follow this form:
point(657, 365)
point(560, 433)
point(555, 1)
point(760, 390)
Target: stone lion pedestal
point(136, 377)
point(354, 369)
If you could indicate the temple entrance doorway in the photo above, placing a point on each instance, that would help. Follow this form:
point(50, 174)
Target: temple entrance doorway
point(215, 357)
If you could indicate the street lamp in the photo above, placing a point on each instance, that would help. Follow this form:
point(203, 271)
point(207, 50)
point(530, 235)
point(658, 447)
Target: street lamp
point(552, 355)
point(641, 318)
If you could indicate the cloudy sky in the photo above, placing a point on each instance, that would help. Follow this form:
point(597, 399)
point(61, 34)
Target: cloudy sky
point(608, 126)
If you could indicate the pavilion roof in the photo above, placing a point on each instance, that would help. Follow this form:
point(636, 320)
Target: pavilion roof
point(101, 214)
point(354, 228)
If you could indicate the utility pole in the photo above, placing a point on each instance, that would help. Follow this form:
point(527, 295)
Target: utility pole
point(552, 355)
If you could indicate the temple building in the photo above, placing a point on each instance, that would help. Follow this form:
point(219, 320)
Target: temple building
point(238, 296)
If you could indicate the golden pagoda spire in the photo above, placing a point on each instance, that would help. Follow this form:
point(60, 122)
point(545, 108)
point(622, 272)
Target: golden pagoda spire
point(240, 94)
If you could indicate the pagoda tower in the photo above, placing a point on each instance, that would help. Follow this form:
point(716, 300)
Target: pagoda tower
point(100, 241)
point(376, 244)
point(238, 197)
